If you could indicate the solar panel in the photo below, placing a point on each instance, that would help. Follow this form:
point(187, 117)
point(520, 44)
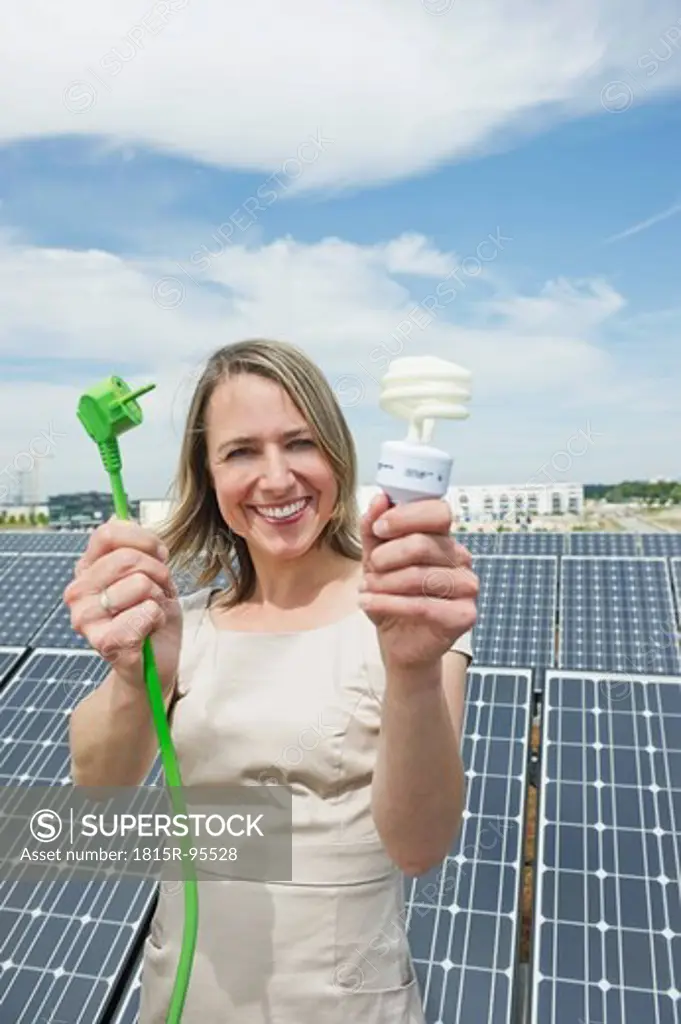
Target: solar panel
point(63, 944)
point(55, 541)
point(531, 544)
point(6, 561)
point(34, 710)
point(516, 610)
point(617, 615)
point(44, 541)
point(463, 918)
point(478, 543)
point(14, 540)
point(128, 1011)
point(58, 632)
point(29, 590)
point(9, 656)
point(675, 567)
point(607, 924)
point(603, 544)
point(661, 545)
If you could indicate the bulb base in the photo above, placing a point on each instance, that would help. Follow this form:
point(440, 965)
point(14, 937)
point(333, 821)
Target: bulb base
point(413, 472)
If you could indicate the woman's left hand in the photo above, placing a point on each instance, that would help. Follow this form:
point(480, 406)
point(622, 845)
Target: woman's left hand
point(420, 590)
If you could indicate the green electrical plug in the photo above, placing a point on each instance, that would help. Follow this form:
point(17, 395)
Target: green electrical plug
point(108, 410)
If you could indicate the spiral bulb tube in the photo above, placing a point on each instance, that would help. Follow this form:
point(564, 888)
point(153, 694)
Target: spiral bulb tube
point(420, 389)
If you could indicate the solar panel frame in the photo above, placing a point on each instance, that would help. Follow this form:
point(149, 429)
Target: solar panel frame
point(505, 658)
point(452, 985)
point(111, 915)
point(594, 992)
point(674, 652)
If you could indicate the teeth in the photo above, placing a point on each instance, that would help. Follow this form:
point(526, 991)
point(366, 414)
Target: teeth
point(283, 512)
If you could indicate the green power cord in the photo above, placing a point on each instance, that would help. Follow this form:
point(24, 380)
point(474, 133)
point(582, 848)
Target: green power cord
point(107, 410)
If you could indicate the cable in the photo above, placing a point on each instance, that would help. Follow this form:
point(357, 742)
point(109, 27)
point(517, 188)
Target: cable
point(420, 389)
point(107, 410)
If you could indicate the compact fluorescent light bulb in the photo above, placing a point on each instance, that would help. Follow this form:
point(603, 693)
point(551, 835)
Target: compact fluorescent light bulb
point(420, 389)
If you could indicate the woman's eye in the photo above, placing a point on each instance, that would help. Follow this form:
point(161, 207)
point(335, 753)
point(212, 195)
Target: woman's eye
point(245, 451)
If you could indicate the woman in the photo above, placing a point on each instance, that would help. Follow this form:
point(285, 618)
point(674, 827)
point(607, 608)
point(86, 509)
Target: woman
point(334, 664)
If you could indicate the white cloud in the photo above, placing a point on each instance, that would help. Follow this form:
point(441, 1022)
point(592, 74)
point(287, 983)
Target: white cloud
point(635, 229)
point(397, 89)
point(574, 307)
point(539, 360)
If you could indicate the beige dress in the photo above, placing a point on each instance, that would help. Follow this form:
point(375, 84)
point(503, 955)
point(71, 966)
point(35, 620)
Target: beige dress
point(329, 945)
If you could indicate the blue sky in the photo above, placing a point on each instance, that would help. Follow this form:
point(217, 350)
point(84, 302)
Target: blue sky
point(553, 135)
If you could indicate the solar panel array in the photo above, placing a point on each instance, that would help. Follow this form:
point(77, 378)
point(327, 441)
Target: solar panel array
point(607, 927)
point(463, 918)
point(64, 945)
point(516, 610)
point(617, 614)
point(560, 606)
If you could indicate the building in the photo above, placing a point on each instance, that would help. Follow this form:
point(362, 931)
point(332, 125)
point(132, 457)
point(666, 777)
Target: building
point(84, 509)
point(504, 503)
point(23, 514)
point(511, 503)
point(154, 511)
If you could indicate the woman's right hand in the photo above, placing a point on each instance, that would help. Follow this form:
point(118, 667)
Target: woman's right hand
point(126, 562)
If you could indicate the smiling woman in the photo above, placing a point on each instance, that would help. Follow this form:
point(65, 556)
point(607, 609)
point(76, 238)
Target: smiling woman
point(252, 453)
point(324, 666)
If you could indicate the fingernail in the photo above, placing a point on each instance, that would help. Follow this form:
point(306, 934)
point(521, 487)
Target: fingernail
point(381, 528)
point(163, 552)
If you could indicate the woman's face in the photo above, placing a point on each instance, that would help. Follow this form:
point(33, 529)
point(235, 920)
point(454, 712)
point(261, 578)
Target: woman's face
point(273, 484)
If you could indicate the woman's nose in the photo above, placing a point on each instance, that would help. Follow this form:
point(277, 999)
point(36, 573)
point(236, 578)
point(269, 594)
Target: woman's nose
point(277, 474)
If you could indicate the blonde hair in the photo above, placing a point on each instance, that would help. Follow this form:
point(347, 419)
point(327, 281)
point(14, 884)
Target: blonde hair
point(196, 534)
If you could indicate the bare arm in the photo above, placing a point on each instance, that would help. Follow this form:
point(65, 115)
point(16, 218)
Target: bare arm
point(112, 736)
point(419, 785)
